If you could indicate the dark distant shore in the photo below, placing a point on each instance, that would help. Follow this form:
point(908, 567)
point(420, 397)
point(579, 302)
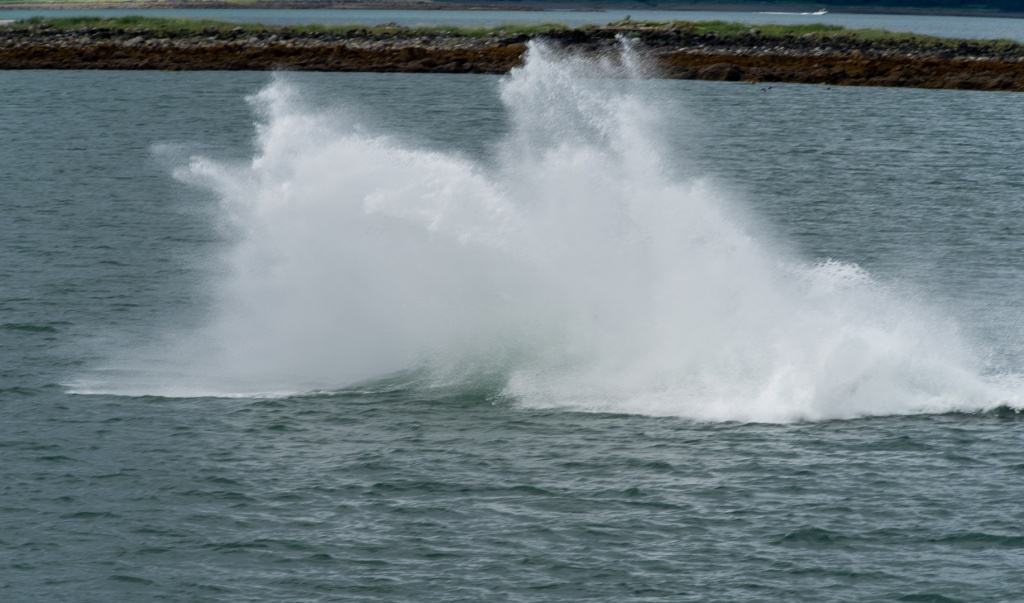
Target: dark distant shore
point(975, 10)
point(265, 4)
point(676, 50)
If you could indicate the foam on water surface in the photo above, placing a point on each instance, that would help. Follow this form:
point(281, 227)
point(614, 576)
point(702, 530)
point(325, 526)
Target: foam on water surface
point(575, 270)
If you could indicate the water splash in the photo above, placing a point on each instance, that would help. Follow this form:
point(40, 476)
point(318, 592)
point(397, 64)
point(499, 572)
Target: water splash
point(577, 272)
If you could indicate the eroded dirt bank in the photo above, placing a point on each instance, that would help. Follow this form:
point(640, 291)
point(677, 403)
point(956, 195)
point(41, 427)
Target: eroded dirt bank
point(675, 50)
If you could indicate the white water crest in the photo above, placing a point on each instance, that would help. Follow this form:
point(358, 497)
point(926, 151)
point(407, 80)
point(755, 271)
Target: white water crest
point(574, 270)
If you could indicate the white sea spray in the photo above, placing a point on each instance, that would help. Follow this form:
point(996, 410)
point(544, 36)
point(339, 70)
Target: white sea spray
point(577, 271)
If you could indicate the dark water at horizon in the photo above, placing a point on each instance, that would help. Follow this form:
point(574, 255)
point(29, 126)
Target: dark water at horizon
point(391, 492)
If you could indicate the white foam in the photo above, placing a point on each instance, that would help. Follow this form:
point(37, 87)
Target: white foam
point(579, 272)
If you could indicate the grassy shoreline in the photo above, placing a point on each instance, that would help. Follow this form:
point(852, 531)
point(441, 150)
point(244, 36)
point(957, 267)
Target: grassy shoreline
point(714, 50)
point(519, 5)
point(157, 26)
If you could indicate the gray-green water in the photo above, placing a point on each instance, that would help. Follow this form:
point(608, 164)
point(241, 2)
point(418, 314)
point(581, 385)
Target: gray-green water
point(392, 491)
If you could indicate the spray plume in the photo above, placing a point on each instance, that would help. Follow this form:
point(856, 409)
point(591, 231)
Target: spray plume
point(574, 272)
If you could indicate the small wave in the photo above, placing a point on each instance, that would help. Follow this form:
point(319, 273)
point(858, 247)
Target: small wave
point(815, 13)
point(32, 327)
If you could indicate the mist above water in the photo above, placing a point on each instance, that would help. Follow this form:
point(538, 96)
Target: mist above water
point(575, 269)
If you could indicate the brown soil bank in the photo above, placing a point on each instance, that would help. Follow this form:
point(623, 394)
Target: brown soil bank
point(676, 50)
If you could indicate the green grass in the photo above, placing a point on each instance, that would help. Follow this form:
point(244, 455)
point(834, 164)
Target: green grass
point(722, 29)
point(727, 29)
point(157, 25)
point(83, 2)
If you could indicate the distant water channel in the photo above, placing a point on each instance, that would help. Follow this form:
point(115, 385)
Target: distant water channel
point(952, 27)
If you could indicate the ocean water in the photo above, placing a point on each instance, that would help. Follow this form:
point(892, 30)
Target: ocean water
point(985, 28)
point(569, 334)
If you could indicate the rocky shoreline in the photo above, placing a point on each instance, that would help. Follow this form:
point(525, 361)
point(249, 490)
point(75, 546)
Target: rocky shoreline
point(675, 51)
